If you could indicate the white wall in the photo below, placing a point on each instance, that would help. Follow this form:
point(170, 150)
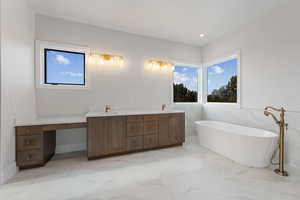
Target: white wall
point(17, 77)
point(1, 51)
point(270, 68)
point(128, 88)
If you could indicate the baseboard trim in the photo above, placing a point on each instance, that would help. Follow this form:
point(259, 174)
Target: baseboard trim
point(67, 148)
point(8, 172)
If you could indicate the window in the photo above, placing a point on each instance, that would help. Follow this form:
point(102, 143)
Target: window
point(64, 67)
point(223, 81)
point(61, 66)
point(185, 84)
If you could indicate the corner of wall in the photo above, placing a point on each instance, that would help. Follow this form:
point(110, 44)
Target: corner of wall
point(17, 98)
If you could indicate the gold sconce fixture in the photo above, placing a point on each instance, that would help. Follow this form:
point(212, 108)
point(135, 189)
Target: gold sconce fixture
point(106, 59)
point(156, 65)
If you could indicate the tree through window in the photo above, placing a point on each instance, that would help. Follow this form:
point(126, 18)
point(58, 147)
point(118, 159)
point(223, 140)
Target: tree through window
point(185, 84)
point(222, 82)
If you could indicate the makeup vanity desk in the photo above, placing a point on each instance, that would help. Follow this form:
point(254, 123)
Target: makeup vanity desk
point(36, 140)
point(108, 134)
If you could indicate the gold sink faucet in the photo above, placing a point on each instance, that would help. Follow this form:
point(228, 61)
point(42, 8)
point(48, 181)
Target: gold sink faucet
point(163, 107)
point(282, 127)
point(107, 108)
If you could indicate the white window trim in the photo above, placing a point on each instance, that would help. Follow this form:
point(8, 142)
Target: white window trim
point(184, 64)
point(40, 70)
point(235, 55)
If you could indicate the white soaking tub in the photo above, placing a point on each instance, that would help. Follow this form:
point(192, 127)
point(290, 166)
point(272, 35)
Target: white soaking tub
point(248, 146)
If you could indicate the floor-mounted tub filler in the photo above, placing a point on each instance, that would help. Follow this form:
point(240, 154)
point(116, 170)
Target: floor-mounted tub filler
point(247, 146)
point(282, 128)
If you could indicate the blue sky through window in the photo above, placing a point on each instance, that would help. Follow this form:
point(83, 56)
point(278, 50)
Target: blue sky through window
point(219, 74)
point(188, 76)
point(65, 67)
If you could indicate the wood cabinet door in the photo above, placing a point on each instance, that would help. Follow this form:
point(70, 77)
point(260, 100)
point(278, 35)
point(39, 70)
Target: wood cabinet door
point(150, 141)
point(98, 132)
point(177, 128)
point(117, 134)
point(163, 130)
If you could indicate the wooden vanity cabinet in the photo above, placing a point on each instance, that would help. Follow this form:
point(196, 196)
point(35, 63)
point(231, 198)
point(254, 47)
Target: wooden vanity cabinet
point(117, 135)
point(97, 137)
point(106, 135)
point(36, 144)
point(176, 128)
point(34, 147)
point(124, 134)
point(164, 129)
point(171, 129)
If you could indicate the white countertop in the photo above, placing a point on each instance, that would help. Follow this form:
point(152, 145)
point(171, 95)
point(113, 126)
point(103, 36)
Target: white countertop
point(53, 120)
point(125, 113)
point(83, 119)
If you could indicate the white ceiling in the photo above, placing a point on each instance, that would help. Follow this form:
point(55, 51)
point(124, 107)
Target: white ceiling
point(174, 20)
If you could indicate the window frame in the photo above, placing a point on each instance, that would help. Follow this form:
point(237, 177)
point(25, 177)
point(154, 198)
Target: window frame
point(235, 55)
point(45, 67)
point(41, 58)
point(199, 98)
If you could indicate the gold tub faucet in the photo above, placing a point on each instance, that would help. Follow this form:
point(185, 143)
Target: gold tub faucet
point(282, 127)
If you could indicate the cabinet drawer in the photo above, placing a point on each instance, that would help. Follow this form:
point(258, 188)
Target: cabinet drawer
point(151, 117)
point(71, 126)
point(134, 128)
point(135, 118)
point(27, 158)
point(150, 127)
point(50, 127)
point(29, 130)
point(135, 143)
point(28, 142)
point(150, 141)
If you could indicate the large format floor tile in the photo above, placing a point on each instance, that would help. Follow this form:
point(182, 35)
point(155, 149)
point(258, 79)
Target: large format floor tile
point(181, 173)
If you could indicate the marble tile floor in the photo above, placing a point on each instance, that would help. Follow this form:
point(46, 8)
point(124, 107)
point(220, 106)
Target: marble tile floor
point(181, 173)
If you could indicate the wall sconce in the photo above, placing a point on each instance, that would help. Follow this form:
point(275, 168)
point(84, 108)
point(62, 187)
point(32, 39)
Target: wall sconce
point(101, 59)
point(155, 65)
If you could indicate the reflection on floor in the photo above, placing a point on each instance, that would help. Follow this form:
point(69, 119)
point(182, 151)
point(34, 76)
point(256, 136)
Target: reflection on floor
point(182, 173)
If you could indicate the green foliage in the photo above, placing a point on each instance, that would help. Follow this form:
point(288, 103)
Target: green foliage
point(183, 94)
point(226, 94)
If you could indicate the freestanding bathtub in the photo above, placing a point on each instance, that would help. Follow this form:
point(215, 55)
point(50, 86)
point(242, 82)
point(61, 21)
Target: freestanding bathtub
point(248, 146)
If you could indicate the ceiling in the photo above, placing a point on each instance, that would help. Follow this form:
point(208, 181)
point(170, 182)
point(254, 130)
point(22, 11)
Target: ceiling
point(175, 20)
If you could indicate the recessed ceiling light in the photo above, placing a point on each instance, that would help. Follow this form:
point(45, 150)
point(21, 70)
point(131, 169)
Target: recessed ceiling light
point(202, 35)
